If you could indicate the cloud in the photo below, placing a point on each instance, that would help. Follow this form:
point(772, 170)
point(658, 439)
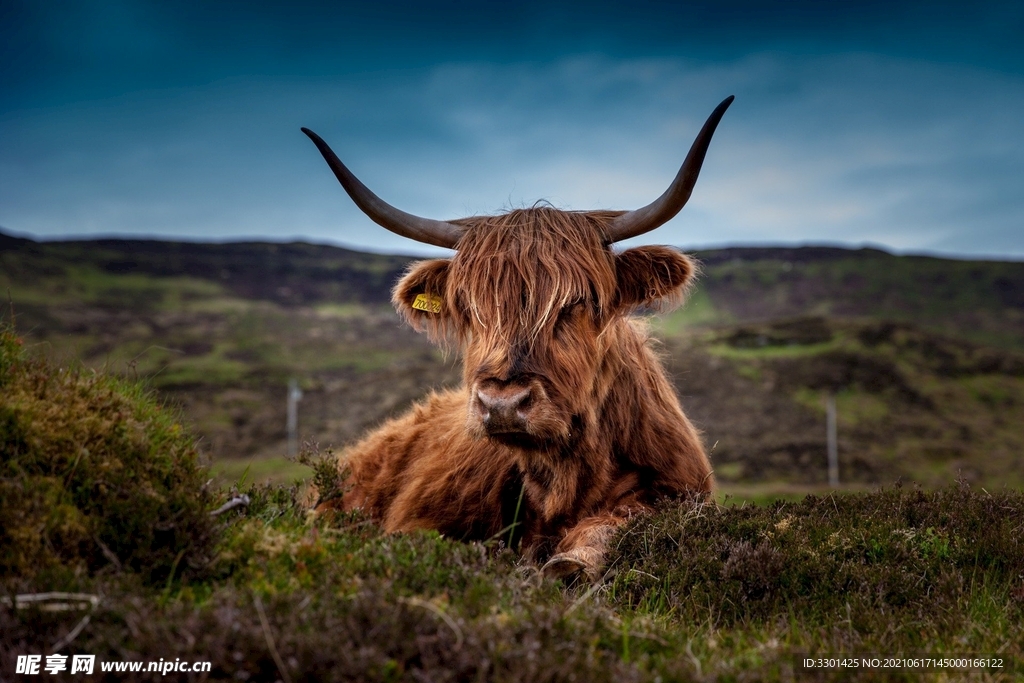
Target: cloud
point(848, 148)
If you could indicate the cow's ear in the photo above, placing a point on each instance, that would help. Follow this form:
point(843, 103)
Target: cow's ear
point(419, 296)
point(652, 277)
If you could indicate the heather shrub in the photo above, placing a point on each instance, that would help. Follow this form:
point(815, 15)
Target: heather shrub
point(861, 561)
point(95, 475)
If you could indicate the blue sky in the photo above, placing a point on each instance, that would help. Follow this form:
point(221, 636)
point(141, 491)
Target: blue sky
point(899, 124)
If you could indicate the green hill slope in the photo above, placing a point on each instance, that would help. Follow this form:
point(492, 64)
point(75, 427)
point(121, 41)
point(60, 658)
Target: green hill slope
point(923, 353)
point(978, 300)
point(911, 404)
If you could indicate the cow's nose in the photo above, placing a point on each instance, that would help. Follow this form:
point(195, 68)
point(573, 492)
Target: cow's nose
point(504, 409)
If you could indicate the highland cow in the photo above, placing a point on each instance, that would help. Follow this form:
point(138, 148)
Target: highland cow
point(566, 423)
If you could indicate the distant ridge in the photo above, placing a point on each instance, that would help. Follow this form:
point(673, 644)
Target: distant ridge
point(978, 300)
point(11, 242)
point(292, 273)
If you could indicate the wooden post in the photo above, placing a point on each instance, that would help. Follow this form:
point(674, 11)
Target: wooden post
point(294, 396)
point(833, 448)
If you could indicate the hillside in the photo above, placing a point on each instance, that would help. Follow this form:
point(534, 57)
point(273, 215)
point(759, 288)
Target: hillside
point(924, 354)
point(112, 544)
point(911, 404)
point(978, 300)
point(982, 301)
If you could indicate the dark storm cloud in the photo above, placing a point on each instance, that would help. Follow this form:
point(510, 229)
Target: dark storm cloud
point(892, 124)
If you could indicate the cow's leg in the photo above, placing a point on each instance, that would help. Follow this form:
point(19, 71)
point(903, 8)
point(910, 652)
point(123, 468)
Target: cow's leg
point(583, 548)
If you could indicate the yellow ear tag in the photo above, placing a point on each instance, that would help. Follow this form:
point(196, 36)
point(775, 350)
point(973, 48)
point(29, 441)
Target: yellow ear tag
point(428, 302)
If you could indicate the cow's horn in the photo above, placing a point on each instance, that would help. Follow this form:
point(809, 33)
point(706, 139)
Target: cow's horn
point(662, 209)
point(438, 233)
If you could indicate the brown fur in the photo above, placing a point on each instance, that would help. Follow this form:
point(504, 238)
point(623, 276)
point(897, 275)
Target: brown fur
point(538, 305)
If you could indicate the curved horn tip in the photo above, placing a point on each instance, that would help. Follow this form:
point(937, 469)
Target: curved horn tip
point(665, 207)
point(723, 105)
point(311, 135)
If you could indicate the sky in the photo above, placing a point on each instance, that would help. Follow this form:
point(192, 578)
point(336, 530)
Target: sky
point(892, 124)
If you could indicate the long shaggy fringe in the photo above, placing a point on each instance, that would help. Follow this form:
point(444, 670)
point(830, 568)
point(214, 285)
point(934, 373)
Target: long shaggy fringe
point(556, 257)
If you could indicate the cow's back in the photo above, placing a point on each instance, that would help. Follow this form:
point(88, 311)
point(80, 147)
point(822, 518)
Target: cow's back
point(423, 471)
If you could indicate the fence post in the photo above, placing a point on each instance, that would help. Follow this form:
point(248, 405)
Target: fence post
point(294, 396)
point(833, 448)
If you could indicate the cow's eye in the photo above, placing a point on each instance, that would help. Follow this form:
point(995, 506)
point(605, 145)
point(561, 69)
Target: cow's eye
point(568, 313)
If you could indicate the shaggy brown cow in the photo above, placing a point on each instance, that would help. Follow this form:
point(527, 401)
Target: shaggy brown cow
point(566, 423)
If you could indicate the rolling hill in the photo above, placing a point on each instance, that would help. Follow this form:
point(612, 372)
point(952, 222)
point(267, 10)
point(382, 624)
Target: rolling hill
point(924, 354)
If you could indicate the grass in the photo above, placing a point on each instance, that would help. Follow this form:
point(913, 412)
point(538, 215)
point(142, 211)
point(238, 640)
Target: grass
point(769, 352)
point(271, 592)
point(979, 301)
point(272, 470)
point(910, 404)
point(279, 471)
point(91, 285)
point(698, 311)
point(895, 571)
point(208, 369)
point(731, 494)
point(694, 593)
